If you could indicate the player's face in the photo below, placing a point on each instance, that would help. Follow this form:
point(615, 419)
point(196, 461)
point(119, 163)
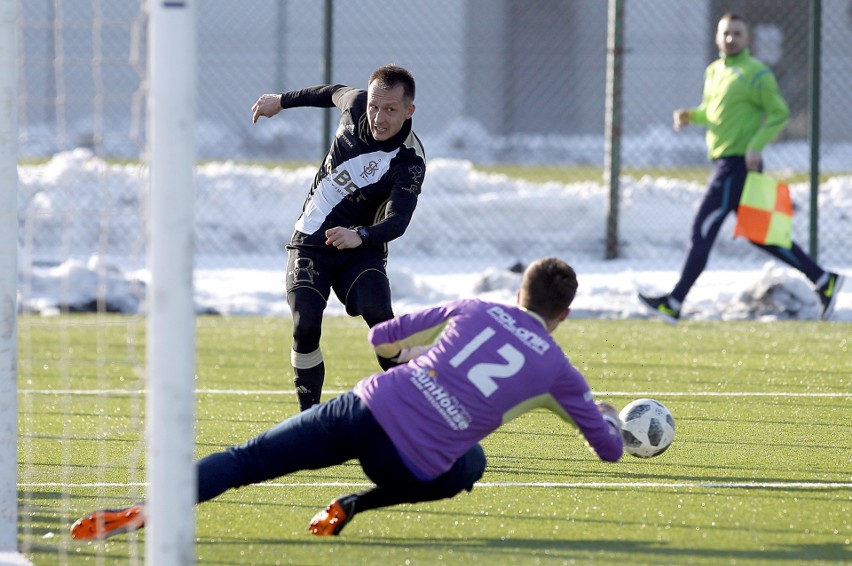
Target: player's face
point(731, 36)
point(387, 110)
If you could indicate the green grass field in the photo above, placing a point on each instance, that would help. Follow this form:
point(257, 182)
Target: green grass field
point(760, 471)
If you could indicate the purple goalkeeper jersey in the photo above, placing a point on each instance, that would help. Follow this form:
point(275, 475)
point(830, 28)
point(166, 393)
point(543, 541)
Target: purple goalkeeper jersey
point(489, 363)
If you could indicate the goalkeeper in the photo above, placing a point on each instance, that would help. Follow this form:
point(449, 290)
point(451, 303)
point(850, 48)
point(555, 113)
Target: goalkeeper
point(362, 197)
point(416, 427)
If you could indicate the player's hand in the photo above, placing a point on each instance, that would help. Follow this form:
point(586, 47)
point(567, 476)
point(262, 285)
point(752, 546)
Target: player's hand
point(609, 413)
point(680, 118)
point(342, 238)
point(267, 105)
point(753, 160)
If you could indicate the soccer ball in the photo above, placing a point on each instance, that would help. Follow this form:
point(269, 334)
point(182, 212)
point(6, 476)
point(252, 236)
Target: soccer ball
point(647, 428)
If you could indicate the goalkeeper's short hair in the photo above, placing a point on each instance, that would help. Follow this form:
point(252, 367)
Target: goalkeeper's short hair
point(548, 287)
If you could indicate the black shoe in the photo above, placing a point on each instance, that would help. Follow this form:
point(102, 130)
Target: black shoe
point(518, 267)
point(828, 294)
point(333, 518)
point(660, 306)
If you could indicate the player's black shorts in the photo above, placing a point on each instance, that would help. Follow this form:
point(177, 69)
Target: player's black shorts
point(325, 268)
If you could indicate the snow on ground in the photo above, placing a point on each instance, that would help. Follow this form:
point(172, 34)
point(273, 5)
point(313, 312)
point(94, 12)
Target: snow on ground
point(65, 204)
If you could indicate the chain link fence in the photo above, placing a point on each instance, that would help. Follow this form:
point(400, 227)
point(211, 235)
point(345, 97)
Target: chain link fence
point(502, 85)
point(512, 111)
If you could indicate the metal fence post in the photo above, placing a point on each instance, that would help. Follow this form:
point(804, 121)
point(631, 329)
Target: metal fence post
point(612, 144)
point(815, 39)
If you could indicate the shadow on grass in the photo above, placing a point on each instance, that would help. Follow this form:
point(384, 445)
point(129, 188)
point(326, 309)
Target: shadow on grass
point(505, 550)
point(364, 546)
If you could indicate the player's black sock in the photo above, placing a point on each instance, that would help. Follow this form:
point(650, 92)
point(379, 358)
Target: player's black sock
point(308, 382)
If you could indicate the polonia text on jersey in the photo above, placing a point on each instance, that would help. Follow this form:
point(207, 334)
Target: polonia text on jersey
point(535, 342)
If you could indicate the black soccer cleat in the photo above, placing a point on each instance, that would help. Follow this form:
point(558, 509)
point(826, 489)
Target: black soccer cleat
point(661, 307)
point(828, 294)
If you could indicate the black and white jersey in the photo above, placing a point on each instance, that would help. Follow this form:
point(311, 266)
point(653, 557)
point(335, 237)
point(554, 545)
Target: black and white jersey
point(361, 182)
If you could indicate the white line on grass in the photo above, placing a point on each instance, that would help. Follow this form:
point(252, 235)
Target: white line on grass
point(671, 485)
point(637, 394)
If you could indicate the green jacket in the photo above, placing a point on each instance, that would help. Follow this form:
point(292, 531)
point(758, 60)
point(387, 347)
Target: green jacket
point(742, 107)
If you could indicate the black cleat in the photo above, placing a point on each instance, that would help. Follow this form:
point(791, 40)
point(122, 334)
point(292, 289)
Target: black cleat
point(661, 307)
point(828, 294)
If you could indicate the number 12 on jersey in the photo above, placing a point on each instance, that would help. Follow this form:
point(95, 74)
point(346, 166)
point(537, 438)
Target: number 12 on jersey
point(483, 375)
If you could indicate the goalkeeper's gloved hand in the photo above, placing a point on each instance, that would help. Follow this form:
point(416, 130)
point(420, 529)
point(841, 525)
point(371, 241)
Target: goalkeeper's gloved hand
point(609, 414)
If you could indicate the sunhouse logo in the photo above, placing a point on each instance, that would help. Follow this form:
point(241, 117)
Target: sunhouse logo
point(448, 406)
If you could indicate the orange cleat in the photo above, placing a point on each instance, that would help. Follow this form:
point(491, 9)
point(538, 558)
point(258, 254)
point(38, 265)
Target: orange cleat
point(332, 520)
point(108, 522)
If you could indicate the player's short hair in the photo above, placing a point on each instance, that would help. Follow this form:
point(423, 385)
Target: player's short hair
point(733, 17)
point(548, 287)
point(389, 76)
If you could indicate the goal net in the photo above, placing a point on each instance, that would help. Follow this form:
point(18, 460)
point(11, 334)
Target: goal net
point(101, 356)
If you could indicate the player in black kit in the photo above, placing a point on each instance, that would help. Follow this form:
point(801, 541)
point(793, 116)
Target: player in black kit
point(362, 197)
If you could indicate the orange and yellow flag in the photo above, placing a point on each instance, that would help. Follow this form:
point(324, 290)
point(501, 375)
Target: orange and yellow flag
point(765, 215)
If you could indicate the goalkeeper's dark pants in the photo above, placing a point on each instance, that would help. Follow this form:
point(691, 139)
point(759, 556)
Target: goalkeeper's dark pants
point(328, 434)
point(723, 197)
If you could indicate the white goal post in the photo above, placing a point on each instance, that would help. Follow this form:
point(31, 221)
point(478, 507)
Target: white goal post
point(8, 282)
point(170, 421)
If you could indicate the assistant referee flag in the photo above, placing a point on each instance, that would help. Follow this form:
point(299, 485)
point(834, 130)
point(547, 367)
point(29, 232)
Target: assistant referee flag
point(765, 214)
